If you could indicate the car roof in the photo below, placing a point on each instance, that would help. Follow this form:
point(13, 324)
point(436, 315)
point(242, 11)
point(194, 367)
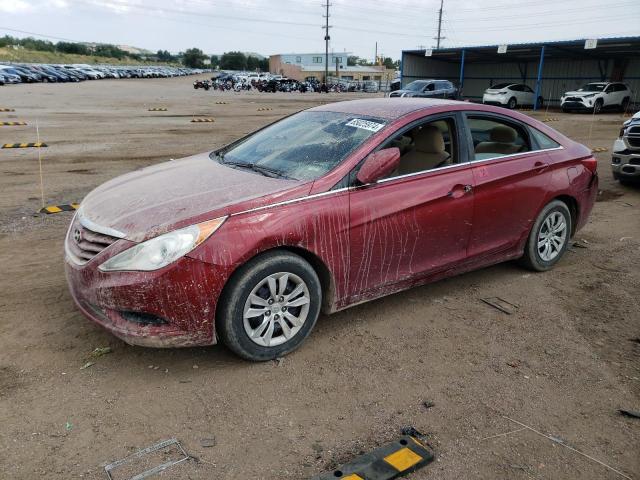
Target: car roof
point(386, 108)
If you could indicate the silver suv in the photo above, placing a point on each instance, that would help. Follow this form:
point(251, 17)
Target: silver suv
point(625, 161)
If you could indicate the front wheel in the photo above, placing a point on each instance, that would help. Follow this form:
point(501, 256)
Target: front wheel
point(512, 103)
point(597, 107)
point(549, 237)
point(270, 306)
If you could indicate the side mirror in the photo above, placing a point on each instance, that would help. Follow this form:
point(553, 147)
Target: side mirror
point(379, 164)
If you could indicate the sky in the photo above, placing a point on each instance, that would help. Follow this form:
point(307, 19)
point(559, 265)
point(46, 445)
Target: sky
point(295, 26)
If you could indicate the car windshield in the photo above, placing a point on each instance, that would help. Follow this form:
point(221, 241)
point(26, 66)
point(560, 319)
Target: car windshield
point(303, 146)
point(592, 87)
point(500, 85)
point(416, 86)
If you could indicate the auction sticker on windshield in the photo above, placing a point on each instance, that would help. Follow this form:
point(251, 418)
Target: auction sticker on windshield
point(365, 124)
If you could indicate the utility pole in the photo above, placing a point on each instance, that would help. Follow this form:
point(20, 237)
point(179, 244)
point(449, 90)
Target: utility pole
point(326, 43)
point(375, 59)
point(439, 37)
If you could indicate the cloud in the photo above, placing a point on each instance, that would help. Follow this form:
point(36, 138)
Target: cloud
point(14, 6)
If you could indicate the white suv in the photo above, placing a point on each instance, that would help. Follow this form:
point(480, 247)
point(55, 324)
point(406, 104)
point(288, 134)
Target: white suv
point(510, 95)
point(597, 96)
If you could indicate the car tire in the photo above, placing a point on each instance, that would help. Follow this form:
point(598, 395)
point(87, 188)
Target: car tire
point(512, 103)
point(246, 331)
point(549, 237)
point(597, 107)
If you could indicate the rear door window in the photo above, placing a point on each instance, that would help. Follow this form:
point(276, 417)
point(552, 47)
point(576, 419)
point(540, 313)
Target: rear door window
point(494, 137)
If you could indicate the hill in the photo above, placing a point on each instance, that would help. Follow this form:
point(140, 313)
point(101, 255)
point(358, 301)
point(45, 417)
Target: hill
point(8, 54)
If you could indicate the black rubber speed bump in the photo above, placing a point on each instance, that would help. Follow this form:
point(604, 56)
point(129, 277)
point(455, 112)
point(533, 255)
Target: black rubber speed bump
point(405, 455)
point(25, 145)
point(59, 208)
point(202, 120)
point(158, 109)
point(7, 110)
point(12, 124)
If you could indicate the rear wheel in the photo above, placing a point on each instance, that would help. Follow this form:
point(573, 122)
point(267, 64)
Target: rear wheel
point(270, 306)
point(512, 103)
point(549, 237)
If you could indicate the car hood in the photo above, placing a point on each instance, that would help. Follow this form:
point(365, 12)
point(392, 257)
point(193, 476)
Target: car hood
point(579, 94)
point(173, 194)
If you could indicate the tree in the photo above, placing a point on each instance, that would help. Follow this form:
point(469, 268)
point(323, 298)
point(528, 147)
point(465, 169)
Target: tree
point(352, 60)
point(71, 47)
point(389, 63)
point(233, 61)
point(164, 56)
point(193, 58)
point(215, 61)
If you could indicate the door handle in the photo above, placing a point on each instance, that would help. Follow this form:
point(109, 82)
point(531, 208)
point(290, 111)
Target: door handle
point(459, 190)
point(540, 166)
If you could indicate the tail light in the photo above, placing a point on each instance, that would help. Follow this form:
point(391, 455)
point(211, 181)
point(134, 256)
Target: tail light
point(590, 164)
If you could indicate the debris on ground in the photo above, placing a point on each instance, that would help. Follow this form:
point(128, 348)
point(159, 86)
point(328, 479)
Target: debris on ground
point(87, 365)
point(100, 351)
point(158, 453)
point(629, 413)
point(428, 404)
point(500, 304)
point(208, 442)
point(579, 245)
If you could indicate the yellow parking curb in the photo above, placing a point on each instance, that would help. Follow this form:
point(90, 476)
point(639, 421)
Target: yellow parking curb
point(12, 124)
point(24, 145)
point(202, 120)
point(68, 207)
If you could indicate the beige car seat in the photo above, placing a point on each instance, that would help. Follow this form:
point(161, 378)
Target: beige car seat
point(427, 153)
point(502, 141)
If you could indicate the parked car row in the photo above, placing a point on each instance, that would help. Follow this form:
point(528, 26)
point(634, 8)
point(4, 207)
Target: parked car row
point(40, 72)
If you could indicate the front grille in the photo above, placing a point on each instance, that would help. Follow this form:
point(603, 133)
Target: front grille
point(634, 130)
point(634, 141)
point(573, 99)
point(84, 244)
point(634, 161)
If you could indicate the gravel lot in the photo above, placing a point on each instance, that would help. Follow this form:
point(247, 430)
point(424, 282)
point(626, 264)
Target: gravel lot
point(562, 364)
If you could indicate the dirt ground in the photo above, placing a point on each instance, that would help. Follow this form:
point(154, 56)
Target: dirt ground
point(563, 364)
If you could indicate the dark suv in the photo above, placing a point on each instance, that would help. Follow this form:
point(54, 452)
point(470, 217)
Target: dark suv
point(428, 89)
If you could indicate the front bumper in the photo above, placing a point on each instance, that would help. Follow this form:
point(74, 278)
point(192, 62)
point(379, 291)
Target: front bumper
point(182, 297)
point(625, 164)
point(583, 104)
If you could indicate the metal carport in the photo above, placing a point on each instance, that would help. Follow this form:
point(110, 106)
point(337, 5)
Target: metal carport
point(550, 68)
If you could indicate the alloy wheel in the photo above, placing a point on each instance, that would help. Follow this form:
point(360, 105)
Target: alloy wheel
point(552, 236)
point(276, 309)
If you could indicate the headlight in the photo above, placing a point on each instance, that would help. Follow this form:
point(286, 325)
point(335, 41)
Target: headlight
point(589, 96)
point(162, 250)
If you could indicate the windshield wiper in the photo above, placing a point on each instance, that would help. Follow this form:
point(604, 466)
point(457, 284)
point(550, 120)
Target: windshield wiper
point(261, 169)
point(271, 172)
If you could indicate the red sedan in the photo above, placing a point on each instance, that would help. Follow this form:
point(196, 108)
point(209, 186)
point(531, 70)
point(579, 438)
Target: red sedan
point(327, 208)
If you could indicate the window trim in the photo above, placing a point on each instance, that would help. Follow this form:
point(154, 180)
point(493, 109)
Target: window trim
point(463, 148)
point(507, 121)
